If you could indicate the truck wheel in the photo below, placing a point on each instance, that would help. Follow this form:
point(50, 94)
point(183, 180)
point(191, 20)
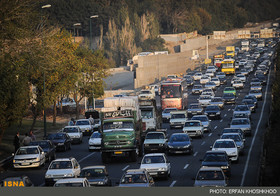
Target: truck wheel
point(133, 156)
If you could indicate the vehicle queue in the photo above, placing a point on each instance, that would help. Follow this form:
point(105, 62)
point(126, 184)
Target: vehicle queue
point(186, 124)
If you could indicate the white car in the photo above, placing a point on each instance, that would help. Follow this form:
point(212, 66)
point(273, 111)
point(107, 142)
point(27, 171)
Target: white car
point(216, 81)
point(62, 168)
point(194, 128)
point(75, 133)
point(72, 182)
point(212, 68)
point(241, 77)
point(85, 125)
point(204, 79)
point(94, 142)
point(208, 90)
point(209, 73)
point(237, 139)
point(156, 164)
point(238, 84)
point(197, 76)
point(204, 100)
point(146, 94)
point(227, 145)
point(178, 119)
point(29, 156)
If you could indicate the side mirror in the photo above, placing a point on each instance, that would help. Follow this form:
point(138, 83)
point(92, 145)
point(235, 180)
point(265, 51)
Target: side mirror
point(243, 140)
point(13, 154)
point(200, 159)
point(211, 147)
point(193, 178)
point(42, 152)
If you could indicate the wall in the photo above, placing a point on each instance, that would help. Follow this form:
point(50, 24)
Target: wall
point(152, 68)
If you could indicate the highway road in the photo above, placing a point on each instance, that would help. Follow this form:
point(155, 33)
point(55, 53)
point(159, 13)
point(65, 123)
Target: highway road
point(183, 167)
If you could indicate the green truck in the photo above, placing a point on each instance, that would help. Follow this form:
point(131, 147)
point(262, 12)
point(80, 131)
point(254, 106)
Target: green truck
point(121, 128)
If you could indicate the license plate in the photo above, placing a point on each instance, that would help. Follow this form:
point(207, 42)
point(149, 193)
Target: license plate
point(153, 173)
point(178, 151)
point(118, 152)
point(212, 115)
point(25, 164)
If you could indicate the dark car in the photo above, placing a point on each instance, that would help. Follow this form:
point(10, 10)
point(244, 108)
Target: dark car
point(17, 181)
point(229, 98)
point(61, 140)
point(223, 80)
point(213, 111)
point(189, 81)
point(262, 78)
point(48, 147)
point(195, 109)
point(217, 159)
point(250, 103)
point(233, 130)
point(253, 97)
point(96, 175)
point(179, 143)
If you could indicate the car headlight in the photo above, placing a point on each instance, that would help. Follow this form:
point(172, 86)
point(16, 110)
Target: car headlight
point(146, 144)
point(68, 175)
point(160, 144)
point(162, 169)
point(48, 176)
point(106, 143)
point(232, 153)
point(224, 167)
point(90, 143)
point(100, 183)
point(187, 146)
point(128, 142)
point(218, 113)
point(60, 144)
point(37, 159)
point(170, 146)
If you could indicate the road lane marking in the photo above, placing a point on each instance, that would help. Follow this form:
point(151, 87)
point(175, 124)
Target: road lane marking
point(202, 143)
point(172, 184)
point(86, 157)
point(195, 154)
point(215, 127)
point(225, 115)
point(125, 167)
point(228, 109)
point(209, 134)
point(186, 166)
point(221, 120)
point(253, 140)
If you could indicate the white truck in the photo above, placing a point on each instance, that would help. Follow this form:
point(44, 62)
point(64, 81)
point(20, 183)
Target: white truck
point(151, 115)
point(245, 45)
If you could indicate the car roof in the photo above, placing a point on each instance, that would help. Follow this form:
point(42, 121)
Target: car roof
point(221, 140)
point(154, 154)
point(66, 180)
point(33, 146)
point(63, 159)
point(83, 119)
point(134, 171)
point(210, 169)
point(72, 126)
point(216, 151)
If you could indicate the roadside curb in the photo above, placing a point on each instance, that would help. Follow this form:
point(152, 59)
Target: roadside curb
point(5, 163)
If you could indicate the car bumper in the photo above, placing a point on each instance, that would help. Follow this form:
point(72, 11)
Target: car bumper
point(26, 165)
point(158, 173)
point(154, 148)
point(180, 150)
point(94, 147)
point(233, 157)
point(193, 133)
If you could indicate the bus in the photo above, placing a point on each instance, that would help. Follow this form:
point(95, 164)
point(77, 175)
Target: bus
point(228, 66)
point(218, 60)
point(174, 94)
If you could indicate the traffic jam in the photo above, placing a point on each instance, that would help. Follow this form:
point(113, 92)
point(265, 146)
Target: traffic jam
point(196, 129)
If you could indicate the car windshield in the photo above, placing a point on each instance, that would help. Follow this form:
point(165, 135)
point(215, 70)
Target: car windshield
point(210, 175)
point(195, 106)
point(69, 184)
point(204, 97)
point(134, 178)
point(228, 95)
point(168, 110)
point(214, 157)
point(192, 124)
point(216, 100)
point(96, 135)
point(255, 91)
point(146, 113)
point(175, 116)
point(153, 159)
point(82, 122)
point(71, 130)
point(212, 108)
point(248, 101)
point(61, 165)
point(197, 87)
point(57, 136)
point(42, 144)
point(234, 137)
point(92, 173)
point(145, 92)
point(25, 151)
point(240, 122)
point(241, 108)
point(179, 138)
point(224, 144)
point(229, 89)
point(201, 118)
point(155, 136)
point(240, 115)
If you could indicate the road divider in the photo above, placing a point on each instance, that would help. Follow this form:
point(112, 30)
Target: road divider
point(86, 157)
point(186, 166)
point(125, 167)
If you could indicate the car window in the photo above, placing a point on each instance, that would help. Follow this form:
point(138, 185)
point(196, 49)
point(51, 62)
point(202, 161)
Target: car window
point(214, 157)
point(192, 124)
point(134, 178)
point(93, 173)
point(61, 165)
point(82, 122)
point(153, 159)
point(71, 130)
point(179, 138)
point(224, 144)
point(155, 136)
point(25, 151)
point(210, 175)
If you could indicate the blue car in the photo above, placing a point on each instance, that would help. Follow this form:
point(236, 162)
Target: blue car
point(179, 143)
